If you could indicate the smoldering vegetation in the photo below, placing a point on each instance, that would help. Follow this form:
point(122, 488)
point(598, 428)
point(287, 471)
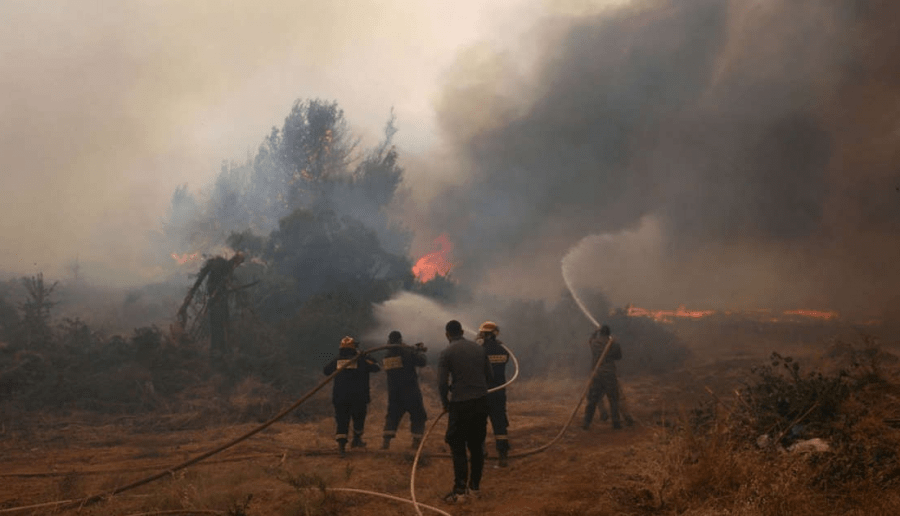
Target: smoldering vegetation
point(717, 154)
point(324, 256)
point(737, 150)
point(308, 210)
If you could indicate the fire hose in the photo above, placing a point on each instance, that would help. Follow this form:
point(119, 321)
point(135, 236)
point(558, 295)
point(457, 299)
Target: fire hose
point(81, 502)
point(412, 479)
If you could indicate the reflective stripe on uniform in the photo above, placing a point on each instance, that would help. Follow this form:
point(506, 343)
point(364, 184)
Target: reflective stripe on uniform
point(393, 363)
point(344, 361)
point(498, 359)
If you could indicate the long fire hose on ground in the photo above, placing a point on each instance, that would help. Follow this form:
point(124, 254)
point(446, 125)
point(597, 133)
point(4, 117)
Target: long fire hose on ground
point(69, 504)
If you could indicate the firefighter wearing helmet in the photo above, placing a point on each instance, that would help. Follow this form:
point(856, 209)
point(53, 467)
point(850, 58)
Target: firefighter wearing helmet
point(498, 357)
point(350, 392)
point(404, 395)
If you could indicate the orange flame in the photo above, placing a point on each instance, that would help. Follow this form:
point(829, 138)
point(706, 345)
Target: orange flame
point(815, 314)
point(186, 257)
point(666, 315)
point(669, 316)
point(435, 263)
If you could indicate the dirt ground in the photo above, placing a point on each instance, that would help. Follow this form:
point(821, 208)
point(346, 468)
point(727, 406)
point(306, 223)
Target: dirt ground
point(281, 470)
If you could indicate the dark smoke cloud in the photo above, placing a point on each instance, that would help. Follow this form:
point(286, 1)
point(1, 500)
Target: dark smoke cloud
point(741, 129)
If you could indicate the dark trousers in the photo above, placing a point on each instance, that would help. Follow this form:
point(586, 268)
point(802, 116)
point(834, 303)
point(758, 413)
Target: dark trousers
point(467, 428)
point(344, 412)
point(499, 422)
point(603, 385)
point(399, 406)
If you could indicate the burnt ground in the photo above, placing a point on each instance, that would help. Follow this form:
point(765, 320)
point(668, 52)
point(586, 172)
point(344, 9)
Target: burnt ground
point(280, 471)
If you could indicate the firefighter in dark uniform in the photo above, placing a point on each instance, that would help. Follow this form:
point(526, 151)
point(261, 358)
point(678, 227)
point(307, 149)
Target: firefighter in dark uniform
point(404, 394)
point(350, 393)
point(605, 382)
point(498, 356)
point(623, 407)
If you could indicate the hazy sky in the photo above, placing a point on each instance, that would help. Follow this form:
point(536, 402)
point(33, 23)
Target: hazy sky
point(719, 153)
point(108, 106)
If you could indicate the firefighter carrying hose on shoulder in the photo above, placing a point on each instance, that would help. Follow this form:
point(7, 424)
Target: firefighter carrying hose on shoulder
point(350, 393)
point(404, 394)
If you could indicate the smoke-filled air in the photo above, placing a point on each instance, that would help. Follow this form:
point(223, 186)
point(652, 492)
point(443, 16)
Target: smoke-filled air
point(203, 199)
point(715, 154)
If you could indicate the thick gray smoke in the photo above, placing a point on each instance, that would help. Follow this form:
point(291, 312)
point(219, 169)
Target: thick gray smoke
point(740, 133)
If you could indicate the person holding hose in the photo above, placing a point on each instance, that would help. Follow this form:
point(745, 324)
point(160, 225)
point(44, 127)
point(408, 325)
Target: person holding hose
point(404, 394)
point(350, 392)
point(604, 382)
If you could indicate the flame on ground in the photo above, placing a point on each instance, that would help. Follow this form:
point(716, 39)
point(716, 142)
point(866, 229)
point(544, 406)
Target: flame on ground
point(186, 257)
point(669, 316)
point(436, 263)
point(815, 314)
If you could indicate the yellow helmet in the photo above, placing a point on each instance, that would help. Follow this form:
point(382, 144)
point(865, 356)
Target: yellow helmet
point(348, 342)
point(489, 327)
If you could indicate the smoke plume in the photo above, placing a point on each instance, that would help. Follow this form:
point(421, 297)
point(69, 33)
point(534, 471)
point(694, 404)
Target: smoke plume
point(757, 141)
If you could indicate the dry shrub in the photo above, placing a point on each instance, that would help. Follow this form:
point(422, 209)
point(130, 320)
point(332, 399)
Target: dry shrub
point(312, 498)
point(254, 400)
point(713, 464)
point(866, 448)
point(712, 473)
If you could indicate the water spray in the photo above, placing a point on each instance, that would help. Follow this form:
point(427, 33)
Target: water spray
point(565, 275)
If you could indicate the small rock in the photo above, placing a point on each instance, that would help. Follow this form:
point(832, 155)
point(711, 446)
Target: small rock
point(809, 446)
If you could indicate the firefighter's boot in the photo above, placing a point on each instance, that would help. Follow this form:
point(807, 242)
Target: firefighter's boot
point(386, 443)
point(357, 442)
point(504, 458)
point(342, 448)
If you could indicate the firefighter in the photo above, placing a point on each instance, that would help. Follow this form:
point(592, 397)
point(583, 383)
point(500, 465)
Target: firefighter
point(498, 356)
point(350, 392)
point(404, 394)
point(604, 382)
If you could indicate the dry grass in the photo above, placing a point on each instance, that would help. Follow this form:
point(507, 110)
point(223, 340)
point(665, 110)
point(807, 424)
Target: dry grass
point(662, 466)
